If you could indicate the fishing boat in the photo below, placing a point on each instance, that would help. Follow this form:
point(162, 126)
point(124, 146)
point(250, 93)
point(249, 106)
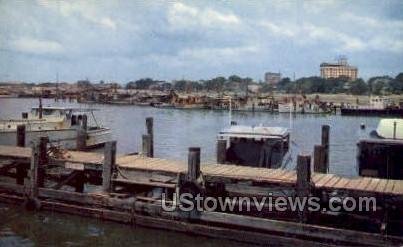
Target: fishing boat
point(60, 124)
point(380, 154)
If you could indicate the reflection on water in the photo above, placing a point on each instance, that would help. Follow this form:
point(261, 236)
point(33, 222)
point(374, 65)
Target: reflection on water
point(175, 131)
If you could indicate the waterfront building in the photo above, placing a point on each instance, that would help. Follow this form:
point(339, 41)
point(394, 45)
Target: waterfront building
point(272, 78)
point(339, 69)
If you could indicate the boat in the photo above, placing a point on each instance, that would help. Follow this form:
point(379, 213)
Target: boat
point(380, 154)
point(378, 106)
point(257, 146)
point(59, 124)
point(163, 105)
point(303, 108)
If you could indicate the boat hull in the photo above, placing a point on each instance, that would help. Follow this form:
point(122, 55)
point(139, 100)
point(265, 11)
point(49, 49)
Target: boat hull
point(65, 138)
point(371, 112)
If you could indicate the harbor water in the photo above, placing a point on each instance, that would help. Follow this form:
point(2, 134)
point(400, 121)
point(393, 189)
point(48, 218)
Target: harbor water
point(174, 132)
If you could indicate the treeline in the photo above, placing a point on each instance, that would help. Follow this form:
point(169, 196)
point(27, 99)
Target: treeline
point(378, 85)
point(217, 84)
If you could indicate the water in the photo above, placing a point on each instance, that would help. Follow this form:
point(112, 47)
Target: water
point(174, 132)
point(23, 228)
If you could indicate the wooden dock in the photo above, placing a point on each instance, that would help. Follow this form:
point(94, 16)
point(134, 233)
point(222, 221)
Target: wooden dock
point(139, 163)
point(125, 184)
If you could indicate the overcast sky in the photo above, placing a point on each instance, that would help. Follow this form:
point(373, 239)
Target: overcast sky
point(128, 40)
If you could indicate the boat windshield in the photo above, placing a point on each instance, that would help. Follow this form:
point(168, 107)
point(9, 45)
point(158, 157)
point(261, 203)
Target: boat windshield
point(49, 112)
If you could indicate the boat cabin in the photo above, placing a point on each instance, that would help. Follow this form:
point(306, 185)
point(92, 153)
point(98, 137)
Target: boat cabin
point(55, 112)
point(381, 155)
point(256, 146)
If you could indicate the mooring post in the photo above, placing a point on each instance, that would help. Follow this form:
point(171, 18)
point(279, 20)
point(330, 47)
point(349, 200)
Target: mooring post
point(79, 181)
point(303, 183)
point(109, 166)
point(20, 170)
point(43, 160)
point(319, 164)
point(193, 164)
point(150, 132)
point(34, 170)
point(81, 143)
point(221, 151)
point(84, 122)
point(146, 145)
point(325, 143)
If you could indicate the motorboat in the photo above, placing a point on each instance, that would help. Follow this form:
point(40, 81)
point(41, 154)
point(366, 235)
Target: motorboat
point(380, 154)
point(59, 124)
point(257, 146)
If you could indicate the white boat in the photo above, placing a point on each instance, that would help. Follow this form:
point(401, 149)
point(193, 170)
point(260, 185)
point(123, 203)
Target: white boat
point(304, 108)
point(258, 146)
point(60, 124)
point(381, 154)
point(390, 128)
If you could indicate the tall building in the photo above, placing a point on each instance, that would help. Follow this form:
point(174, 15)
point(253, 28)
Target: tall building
point(272, 78)
point(339, 69)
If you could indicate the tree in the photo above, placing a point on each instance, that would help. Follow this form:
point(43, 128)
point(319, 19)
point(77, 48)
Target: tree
point(358, 87)
point(83, 83)
point(235, 78)
point(396, 85)
point(215, 84)
point(283, 82)
point(377, 87)
point(143, 83)
point(378, 84)
point(180, 85)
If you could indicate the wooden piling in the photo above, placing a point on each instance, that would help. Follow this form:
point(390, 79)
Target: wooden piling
point(193, 164)
point(319, 163)
point(146, 144)
point(43, 160)
point(20, 170)
point(108, 166)
point(84, 122)
point(325, 142)
point(34, 170)
point(81, 143)
point(221, 151)
point(79, 181)
point(150, 132)
point(303, 186)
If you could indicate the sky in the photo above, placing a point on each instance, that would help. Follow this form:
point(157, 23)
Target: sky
point(166, 40)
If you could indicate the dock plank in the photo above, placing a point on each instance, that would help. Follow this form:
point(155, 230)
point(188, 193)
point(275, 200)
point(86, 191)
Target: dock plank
point(324, 180)
point(381, 186)
point(342, 183)
point(352, 185)
point(332, 181)
point(398, 188)
point(373, 184)
point(317, 176)
point(363, 184)
point(389, 186)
